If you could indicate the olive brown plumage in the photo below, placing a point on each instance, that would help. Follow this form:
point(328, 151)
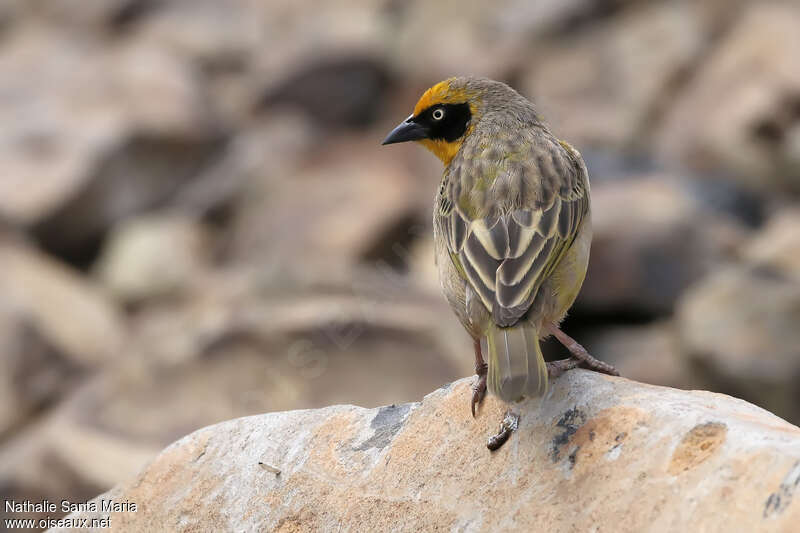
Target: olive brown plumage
point(512, 226)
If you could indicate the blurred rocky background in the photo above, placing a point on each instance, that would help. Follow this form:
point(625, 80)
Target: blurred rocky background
point(198, 222)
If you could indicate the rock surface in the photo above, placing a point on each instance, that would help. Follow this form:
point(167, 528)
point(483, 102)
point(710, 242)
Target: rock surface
point(597, 450)
point(739, 326)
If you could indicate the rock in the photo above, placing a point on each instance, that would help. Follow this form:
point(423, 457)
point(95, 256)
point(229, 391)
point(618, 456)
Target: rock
point(129, 118)
point(650, 353)
point(778, 245)
point(33, 373)
point(229, 350)
point(495, 40)
point(92, 15)
point(742, 110)
point(602, 87)
point(152, 256)
point(67, 454)
point(328, 212)
point(740, 327)
point(209, 34)
point(10, 11)
point(652, 238)
point(479, 39)
point(337, 92)
point(307, 332)
point(74, 316)
point(601, 448)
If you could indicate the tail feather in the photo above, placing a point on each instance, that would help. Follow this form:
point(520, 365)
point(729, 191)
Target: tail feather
point(516, 365)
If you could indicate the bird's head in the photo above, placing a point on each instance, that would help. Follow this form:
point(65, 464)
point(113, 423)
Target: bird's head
point(448, 112)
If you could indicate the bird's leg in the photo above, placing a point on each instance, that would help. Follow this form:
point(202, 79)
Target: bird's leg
point(580, 353)
point(481, 368)
point(507, 426)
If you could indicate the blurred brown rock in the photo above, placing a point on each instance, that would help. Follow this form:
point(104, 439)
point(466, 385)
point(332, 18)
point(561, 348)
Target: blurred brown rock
point(652, 238)
point(235, 351)
point(154, 255)
point(125, 117)
point(209, 34)
point(326, 213)
point(602, 87)
point(76, 317)
point(742, 110)
point(337, 92)
point(499, 39)
point(739, 325)
point(778, 245)
point(90, 14)
point(610, 453)
point(67, 454)
point(648, 353)
point(55, 138)
point(33, 373)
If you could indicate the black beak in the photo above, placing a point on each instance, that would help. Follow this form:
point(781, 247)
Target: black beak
point(406, 131)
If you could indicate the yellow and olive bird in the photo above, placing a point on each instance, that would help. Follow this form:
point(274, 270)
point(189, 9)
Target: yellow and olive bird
point(512, 231)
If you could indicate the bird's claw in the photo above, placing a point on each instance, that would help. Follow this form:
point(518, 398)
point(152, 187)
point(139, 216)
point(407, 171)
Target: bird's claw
point(478, 392)
point(556, 368)
point(507, 427)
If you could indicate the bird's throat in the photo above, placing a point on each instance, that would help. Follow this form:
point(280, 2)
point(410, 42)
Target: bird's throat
point(442, 149)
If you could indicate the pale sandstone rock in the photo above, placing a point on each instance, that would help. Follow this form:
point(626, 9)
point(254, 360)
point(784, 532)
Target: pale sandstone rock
point(601, 453)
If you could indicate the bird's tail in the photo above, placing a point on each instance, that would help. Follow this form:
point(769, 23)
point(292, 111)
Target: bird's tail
point(516, 365)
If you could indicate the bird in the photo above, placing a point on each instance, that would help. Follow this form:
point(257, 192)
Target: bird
point(512, 232)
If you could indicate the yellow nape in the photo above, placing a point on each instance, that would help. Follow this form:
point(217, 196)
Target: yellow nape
point(444, 150)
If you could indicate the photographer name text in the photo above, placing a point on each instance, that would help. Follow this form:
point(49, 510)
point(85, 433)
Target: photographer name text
point(66, 506)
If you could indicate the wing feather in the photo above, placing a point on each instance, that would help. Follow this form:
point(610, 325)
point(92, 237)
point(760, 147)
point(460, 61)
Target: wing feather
point(506, 257)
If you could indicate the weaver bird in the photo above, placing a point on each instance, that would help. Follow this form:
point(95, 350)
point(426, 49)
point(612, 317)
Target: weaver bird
point(512, 231)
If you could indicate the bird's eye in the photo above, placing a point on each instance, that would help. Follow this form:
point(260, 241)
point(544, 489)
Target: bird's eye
point(438, 114)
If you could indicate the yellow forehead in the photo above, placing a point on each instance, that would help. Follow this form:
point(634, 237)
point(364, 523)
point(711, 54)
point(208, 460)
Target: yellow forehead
point(441, 93)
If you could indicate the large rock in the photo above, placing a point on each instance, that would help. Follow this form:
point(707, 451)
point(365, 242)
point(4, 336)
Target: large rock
point(124, 131)
point(329, 211)
point(739, 325)
point(778, 245)
point(650, 353)
point(653, 237)
point(151, 256)
point(33, 373)
point(234, 349)
point(76, 317)
point(601, 452)
point(742, 110)
point(604, 87)
point(92, 15)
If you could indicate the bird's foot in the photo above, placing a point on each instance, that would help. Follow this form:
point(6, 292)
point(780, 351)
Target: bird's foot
point(507, 427)
point(556, 368)
point(599, 366)
point(479, 388)
point(579, 352)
